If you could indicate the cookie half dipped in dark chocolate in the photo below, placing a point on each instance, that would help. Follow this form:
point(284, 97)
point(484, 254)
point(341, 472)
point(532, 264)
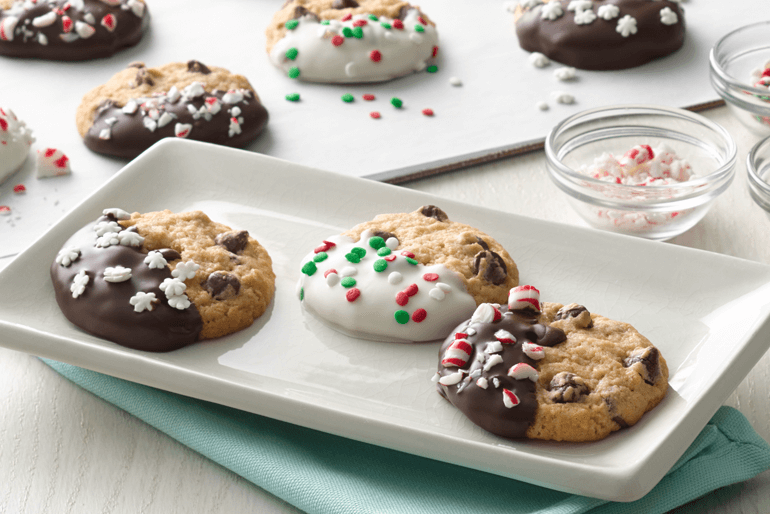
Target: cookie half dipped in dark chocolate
point(139, 106)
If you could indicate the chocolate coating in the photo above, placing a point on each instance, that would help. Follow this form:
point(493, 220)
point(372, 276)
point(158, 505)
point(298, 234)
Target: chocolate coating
point(104, 309)
point(597, 45)
point(485, 407)
point(129, 137)
point(128, 30)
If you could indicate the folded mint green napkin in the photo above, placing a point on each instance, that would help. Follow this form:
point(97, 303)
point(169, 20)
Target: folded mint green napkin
point(323, 473)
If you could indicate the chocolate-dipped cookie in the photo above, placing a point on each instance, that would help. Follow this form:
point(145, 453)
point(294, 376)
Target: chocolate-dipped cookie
point(404, 277)
point(160, 281)
point(139, 106)
point(600, 34)
point(560, 373)
point(70, 30)
point(350, 40)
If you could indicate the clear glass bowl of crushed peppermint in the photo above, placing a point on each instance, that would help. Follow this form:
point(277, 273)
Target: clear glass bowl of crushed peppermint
point(739, 65)
point(758, 168)
point(640, 170)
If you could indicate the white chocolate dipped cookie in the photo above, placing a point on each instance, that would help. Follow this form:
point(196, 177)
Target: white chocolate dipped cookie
point(348, 41)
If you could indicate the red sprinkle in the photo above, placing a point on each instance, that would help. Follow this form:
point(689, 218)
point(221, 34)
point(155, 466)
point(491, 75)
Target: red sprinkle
point(435, 51)
point(430, 277)
point(368, 98)
point(329, 271)
point(359, 23)
point(766, 73)
point(402, 298)
point(3, 124)
point(411, 290)
point(407, 253)
point(352, 294)
point(375, 55)
point(398, 24)
point(422, 20)
point(19, 188)
point(338, 40)
point(347, 17)
point(427, 112)
point(461, 335)
point(375, 115)
point(50, 151)
point(419, 315)
point(390, 258)
point(325, 247)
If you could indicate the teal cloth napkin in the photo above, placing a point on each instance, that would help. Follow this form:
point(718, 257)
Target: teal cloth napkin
point(323, 473)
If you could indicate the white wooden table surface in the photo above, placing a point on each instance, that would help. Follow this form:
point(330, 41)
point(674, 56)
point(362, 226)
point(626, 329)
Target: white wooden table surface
point(63, 450)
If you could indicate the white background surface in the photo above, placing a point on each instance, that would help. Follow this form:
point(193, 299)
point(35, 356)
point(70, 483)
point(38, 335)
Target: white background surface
point(62, 450)
point(495, 108)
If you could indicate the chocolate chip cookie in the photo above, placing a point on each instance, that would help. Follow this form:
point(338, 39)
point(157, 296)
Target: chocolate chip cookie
point(560, 373)
point(404, 277)
point(139, 106)
point(70, 30)
point(160, 281)
point(350, 40)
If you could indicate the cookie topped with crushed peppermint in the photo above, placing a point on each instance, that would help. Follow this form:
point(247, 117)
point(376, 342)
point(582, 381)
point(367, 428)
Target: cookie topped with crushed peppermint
point(139, 106)
point(70, 30)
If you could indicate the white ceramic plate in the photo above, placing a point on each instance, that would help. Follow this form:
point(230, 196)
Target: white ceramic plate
point(708, 314)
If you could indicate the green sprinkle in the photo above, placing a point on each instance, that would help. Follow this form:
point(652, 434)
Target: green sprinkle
point(320, 256)
point(348, 282)
point(358, 251)
point(396, 102)
point(358, 32)
point(293, 72)
point(351, 257)
point(373, 17)
point(380, 265)
point(402, 317)
point(432, 69)
point(301, 294)
point(411, 261)
point(292, 24)
point(293, 97)
point(386, 25)
point(376, 242)
point(309, 268)
point(419, 28)
point(384, 251)
point(291, 53)
point(348, 98)
point(347, 32)
point(325, 22)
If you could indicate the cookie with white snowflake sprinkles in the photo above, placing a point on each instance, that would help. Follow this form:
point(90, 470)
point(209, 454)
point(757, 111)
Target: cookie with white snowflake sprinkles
point(600, 34)
point(15, 140)
point(343, 41)
point(139, 106)
point(70, 30)
point(549, 371)
point(404, 277)
point(160, 281)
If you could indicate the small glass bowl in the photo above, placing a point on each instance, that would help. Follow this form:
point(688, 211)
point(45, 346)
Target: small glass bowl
point(652, 212)
point(731, 62)
point(758, 166)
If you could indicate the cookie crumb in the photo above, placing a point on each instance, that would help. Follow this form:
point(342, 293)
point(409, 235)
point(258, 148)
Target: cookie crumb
point(563, 97)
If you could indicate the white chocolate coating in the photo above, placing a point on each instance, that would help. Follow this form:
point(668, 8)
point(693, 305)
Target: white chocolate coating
point(15, 140)
point(371, 315)
point(401, 51)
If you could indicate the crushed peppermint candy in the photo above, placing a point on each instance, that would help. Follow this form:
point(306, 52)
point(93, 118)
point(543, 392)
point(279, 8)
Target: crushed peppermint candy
point(642, 165)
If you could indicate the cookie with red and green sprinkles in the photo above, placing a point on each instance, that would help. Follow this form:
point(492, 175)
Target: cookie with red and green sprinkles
point(404, 277)
point(342, 41)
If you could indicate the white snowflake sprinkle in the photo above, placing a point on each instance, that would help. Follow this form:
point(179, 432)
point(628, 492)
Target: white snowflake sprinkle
point(143, 301)
point(579, 5)
point(185, 270)
point(668, 17)
point(105, 227)
point(565, 73)
point(180, 302)
point(67, 256)
point(107, 240)
point(551, 11)
point(117, 274)
point(173, 287)
point(626, 26)
point(563, 97)
point(79, 283)
point(539, 60)
point(608, 11)
point(155, 259)
point(130, 238)
point(584, 17)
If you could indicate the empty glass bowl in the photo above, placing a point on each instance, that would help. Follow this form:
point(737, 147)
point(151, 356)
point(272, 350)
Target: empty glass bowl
point(653, 212)
point(758, 166)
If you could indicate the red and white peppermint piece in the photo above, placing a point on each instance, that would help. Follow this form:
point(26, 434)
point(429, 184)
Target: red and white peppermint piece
point(524, 297)
point(84, 30)
point(182, 129)
point(505, 337)
point(522, 371)
point(5, 210)
point(19, 189)
point(454, 378)
point(52, 163)
point(486, 313)
point(533, 351)
point(137, 7)
point(213, 104)
point(457, 354)
point(493, 361)
point(7, 26)
point(235, 127)
point(66, 24)
point(109, 22)
point(510, 399)
point(637, 155)
point(45, 20)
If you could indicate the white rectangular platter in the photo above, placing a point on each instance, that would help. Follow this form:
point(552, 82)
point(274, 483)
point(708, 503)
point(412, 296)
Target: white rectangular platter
point(709, 315)
point(492, 113)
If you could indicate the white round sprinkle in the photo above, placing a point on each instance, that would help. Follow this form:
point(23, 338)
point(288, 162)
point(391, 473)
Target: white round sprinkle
point(395, 278)
point(392, 243)
point(332, 279)
point(348, 271)
point(455, 81)
point(444, 287)
point(543, 106)
point(437, 294)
